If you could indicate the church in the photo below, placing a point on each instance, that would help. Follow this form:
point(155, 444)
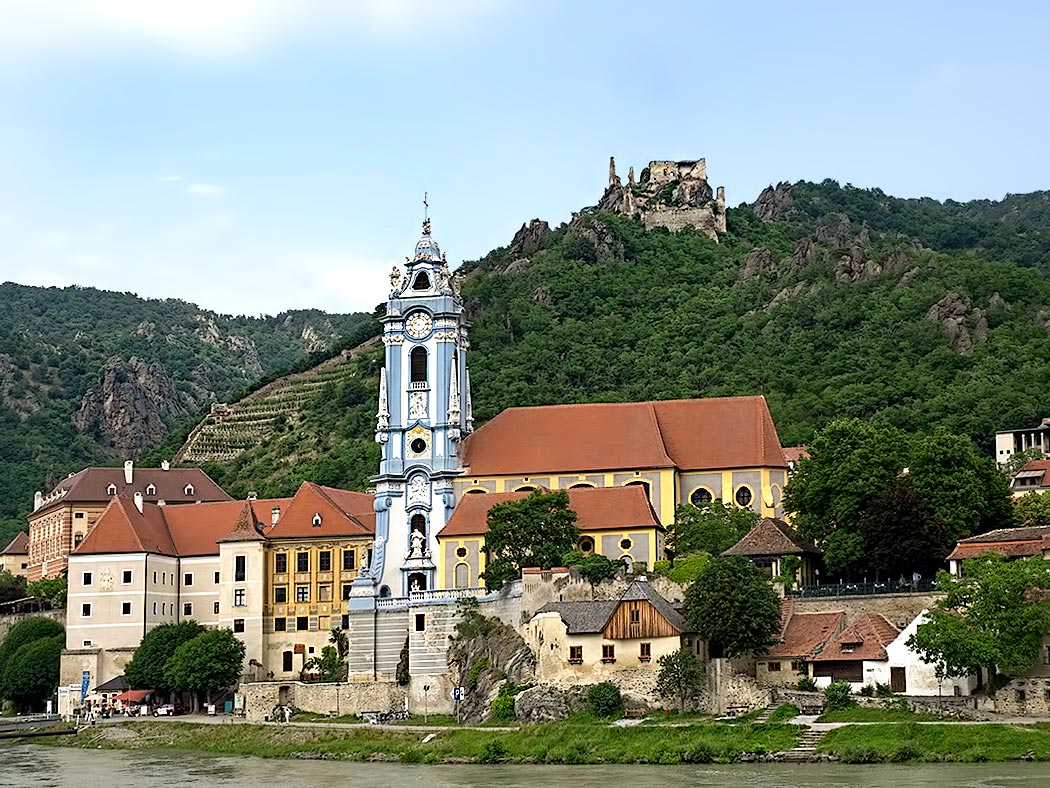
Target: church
point(387, 566)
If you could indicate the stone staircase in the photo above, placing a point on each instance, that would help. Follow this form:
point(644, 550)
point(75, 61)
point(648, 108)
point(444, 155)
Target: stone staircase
point(806, 749)
point(766, 712)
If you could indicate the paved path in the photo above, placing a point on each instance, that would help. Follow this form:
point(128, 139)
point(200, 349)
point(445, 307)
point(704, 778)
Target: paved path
point(225, 719)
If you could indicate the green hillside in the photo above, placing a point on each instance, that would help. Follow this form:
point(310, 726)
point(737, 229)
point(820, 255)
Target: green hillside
point(831, 301)
point(89, 376)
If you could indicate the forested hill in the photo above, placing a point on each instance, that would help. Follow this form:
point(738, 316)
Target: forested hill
point(831, 301)
point(89, 376)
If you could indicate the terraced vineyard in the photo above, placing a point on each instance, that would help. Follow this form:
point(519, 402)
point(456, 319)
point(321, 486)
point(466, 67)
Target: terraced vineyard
point(230, 429)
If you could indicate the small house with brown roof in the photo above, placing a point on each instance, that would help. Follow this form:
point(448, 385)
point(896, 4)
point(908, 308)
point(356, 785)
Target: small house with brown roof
point(588, 641)
point(1011, 543)
point(15, 557)
point(677, 451)
point(1033, 477)
point(844, 654)
point(64, 517)
point(617, 522)
point(770, 541)
point(802, 636)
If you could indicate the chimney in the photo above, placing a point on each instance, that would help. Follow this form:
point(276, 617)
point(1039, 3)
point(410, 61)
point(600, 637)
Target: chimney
point(252, 495)
point(275, 516)
point(129, 468)
point(138, 502)
point(165, 465)
point(38, 500)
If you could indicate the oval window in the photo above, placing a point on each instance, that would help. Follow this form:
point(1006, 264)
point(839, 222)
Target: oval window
point(743, 496)
point(586, 545)
point(418, 446)
point(701, 495)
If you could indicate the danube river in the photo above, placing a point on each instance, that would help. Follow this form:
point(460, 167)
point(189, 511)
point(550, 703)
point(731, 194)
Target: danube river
point(25, 765)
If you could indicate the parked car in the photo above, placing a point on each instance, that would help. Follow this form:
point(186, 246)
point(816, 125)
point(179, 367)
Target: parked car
point(167, 710)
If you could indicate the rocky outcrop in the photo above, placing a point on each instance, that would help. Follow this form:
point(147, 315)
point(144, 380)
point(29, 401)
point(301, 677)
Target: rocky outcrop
point(531, 238)
point(314, 342)
point(125, 410)
point(593, 231)
point(756, 262)
point(210, 333)
point(963, 327)
point(774, 203)
point(547, 703)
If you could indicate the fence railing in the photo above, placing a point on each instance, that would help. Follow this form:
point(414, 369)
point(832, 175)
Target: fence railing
point(865, 589)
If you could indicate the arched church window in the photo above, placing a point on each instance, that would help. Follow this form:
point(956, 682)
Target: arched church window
point(744, 496)
point(700, 496)
point(640, 483)
point(462, 579)
point(525, 488)
point(422, 281)
point(418, 523)
point(419, 365)
point(581, 486)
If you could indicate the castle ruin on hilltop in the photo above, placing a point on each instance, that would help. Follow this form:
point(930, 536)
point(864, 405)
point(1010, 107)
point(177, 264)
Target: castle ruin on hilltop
point(671, 194)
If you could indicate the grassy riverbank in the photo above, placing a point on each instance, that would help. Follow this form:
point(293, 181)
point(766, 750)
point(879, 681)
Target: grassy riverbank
point(897, 743)
point(565, 743)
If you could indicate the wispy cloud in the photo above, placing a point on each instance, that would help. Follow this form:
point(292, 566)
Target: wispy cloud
point(196, 188)
point(214, 27)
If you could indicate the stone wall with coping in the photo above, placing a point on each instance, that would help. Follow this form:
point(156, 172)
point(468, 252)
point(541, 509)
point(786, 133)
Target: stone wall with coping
point(9, 620)
point(337, 698)
point(899, 609)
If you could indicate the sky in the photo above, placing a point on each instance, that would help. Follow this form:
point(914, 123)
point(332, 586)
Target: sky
point(254, 156)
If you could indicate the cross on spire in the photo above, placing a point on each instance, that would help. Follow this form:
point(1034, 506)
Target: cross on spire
point(426, 216)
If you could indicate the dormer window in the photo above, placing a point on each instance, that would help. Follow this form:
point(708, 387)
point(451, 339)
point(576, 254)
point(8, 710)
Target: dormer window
point(422, 281)
point(111, 490)
point(188, 489)
point(317, 520)
point(849, 648)
point(151, 489)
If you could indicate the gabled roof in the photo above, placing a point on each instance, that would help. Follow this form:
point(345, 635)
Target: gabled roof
point(342, 513)
point(17, 546)
point(122, 528)
point(804, 634)
point(246, 529)
point(593, 615)
point(196, 530)
point(597, 508)
point(772, 537)
point(1009, 542)
point(697, 434)
point(91, 485)
point(865, 639)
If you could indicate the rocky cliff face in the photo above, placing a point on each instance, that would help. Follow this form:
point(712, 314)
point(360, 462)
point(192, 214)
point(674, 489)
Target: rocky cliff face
point(125, 410)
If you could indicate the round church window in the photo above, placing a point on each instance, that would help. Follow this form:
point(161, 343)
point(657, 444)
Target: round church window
point(625, 544)
point(461, 552)
point(701, 495)
point(743, 496)
point(418, 446)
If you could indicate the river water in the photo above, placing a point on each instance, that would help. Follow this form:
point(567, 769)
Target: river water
point(35, 765)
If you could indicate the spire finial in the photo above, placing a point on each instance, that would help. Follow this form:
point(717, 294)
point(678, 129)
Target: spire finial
point(426, 217)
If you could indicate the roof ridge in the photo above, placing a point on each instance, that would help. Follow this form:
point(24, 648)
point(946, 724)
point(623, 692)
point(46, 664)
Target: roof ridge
point(337, 507)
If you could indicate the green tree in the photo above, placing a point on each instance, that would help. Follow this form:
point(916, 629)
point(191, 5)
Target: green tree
point(146, 669)
point(604, 700)
point(593, 568)
point(53, 589)
point(1022, 458)
point(12, 587)
point(681, 677)
point(901, 534)
point(733, 606)
point(995, 615)
point(26, 631)
point(209, 662)
point(844, 552)
point(1033, 509)
point(328, 666)
point(534, 531)
point(684, 570)
point(31, 673)
point(709, 528)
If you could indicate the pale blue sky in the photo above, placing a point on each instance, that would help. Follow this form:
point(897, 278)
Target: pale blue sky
point(259, 156)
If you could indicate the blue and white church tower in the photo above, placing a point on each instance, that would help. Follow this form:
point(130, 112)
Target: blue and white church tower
point(424, 411)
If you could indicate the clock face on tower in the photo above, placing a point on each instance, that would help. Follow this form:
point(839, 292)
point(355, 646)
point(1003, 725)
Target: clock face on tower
point(417, 325)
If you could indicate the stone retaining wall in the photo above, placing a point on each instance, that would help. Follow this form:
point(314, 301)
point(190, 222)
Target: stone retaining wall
point(321, 698)
point(9, 620)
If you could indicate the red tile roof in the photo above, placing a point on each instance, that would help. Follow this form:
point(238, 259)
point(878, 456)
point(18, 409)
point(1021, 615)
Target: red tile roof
point(196, 530)
point(17, 546)
point(795, 453)
point(343, 513)
point(699, 434)
point(865, 639)
point(597, 508)
point(1010, 542)
point(805, 633)
point(772, 537)
point(91, 484)
point(122, 528)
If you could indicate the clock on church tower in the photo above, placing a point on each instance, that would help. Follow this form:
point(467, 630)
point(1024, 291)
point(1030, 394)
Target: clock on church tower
point(424, 410)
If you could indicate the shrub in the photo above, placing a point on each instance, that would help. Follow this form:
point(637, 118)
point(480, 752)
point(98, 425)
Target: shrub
point(604, 700)
point(806, 684)
point(503, 704)
point(882, 690)
point(837, 696)
point(867, 691)
point(493, 751)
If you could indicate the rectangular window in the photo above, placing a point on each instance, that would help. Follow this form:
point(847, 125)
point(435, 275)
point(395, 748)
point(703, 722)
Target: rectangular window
point(286, 661)
point(636, 616)
point(87, 643)
point(215, 608)
point(798, 666)
point(238, 625)
point(280, 595)
point(187, 579)
point(421, 622)
point(154, 577)
point(576, 655)
point(216, 578)
point(240, 563)
point(78, 516)
point(154, 608)
point(279, 625)
point(125, 608)
point(85, 610)
point(87, 578)
point(125, 577)
point(773, 667)
point(608, 653)
point(302, 562)
point(346, 625)
point(238, 597)
point(324, 593)
point(1046, 655)
point(302, 593)
point(346, 591)
point(349, 560)
point(187, 608)
point(280, 563)
point(324, 561)
point(302, 623)
point(645, 651)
